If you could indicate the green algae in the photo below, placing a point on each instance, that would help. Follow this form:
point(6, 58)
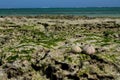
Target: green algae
point(12, 58)
point(109, 57)
point(84, 57)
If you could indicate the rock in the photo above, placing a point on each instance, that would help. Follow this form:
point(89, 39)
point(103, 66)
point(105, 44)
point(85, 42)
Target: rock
point(76, 49)
point(88, 49)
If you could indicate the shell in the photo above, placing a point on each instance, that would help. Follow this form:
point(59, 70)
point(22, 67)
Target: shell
point(89, 49)
point(76, 49)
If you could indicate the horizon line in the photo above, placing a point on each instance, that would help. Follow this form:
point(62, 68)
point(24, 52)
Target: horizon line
point(53, 7)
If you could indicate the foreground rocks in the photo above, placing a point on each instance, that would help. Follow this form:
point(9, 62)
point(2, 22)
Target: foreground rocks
point(47, 48)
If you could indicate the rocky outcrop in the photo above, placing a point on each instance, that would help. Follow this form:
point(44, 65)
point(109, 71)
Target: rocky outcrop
point(33, 48)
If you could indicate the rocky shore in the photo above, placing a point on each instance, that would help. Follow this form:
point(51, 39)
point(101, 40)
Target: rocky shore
point(59, 48)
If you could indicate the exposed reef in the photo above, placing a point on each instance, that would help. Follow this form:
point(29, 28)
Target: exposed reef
point(59, 48)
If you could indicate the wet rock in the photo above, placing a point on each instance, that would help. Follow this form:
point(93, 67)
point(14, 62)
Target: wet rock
point(88, 49)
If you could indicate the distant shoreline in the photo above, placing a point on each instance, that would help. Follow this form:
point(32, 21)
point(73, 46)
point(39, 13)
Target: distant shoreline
point(60, 16)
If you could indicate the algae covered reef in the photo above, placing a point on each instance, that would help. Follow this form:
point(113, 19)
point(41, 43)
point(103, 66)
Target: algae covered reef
point(59, 48)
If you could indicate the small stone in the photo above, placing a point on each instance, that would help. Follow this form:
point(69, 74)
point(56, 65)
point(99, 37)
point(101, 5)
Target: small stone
point(76, 49)
point(89, 49)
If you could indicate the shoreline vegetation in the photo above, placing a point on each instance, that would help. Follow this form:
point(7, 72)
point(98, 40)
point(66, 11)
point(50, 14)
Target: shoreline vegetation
point(59, 47)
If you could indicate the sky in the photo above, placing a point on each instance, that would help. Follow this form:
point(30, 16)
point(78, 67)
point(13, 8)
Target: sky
point(58, 3)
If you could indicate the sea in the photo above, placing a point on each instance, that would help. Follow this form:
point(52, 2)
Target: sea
point(86, 11)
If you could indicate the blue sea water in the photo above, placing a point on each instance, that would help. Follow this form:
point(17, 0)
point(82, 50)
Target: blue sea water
point(111, 11)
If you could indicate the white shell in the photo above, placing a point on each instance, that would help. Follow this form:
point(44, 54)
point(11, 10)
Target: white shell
point(76, 49)
point(89, 49)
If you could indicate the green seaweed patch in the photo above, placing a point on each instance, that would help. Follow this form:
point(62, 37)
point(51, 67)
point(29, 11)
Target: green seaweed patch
point(68, 58)
point(107, 39)
point(23, 51)
point(117, 41)
point(13, 58)
point(13, 50)
point(91, 34)
point(108, 32)
point(8, 22)
point(26, 27)
point(83, 71)
point(24, 45)
point(105, 44)
point(25, 57)
point(18, 53)
point(108, 57)
point(84, 57)
point(26, 51)
point(40, 38)
point(6, 31)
